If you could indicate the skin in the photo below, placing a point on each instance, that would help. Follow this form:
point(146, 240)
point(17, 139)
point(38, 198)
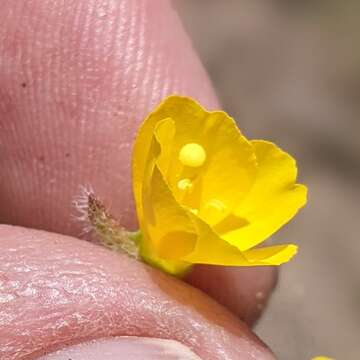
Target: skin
point(76, 79)
point(63, 290)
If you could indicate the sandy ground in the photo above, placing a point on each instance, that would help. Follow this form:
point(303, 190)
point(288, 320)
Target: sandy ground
point(289, 71)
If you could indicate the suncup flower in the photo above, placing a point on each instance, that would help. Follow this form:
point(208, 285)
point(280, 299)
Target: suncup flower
point(205, 194)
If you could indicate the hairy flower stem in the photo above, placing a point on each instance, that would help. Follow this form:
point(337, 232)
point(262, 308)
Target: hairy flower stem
point(110, 232)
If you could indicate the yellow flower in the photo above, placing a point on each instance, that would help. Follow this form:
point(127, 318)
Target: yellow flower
point(205, 194)
point(321, 358)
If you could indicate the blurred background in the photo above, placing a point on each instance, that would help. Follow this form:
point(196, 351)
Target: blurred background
point(289, 71)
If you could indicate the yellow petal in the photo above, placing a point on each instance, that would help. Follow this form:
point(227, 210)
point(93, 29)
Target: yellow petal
point(322, 358)
point(164, 133)
point(164, 214)
point(143, 154)
point(167, 231)
point(272, 201)
point(272, 255)
point(211, 249)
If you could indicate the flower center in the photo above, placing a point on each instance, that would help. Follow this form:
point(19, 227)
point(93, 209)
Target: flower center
point(192, 154)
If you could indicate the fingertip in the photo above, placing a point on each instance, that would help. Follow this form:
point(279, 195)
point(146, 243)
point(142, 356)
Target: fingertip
point(92, 69)
point(60, 291)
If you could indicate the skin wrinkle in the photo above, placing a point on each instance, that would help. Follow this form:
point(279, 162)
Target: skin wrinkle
point(81, 100)
point(86, 92)
point(80, 291)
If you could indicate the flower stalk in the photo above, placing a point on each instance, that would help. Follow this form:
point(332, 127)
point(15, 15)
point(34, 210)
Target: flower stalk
point(109, 231)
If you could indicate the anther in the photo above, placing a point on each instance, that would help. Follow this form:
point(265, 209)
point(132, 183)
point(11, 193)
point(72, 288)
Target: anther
point(192, 154)
point(184, 184)
point(216, 204)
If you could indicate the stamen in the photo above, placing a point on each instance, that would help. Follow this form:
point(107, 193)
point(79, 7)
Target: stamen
point(184, 184)
point(216, 204)
point(213, 211)
point(192, 154)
